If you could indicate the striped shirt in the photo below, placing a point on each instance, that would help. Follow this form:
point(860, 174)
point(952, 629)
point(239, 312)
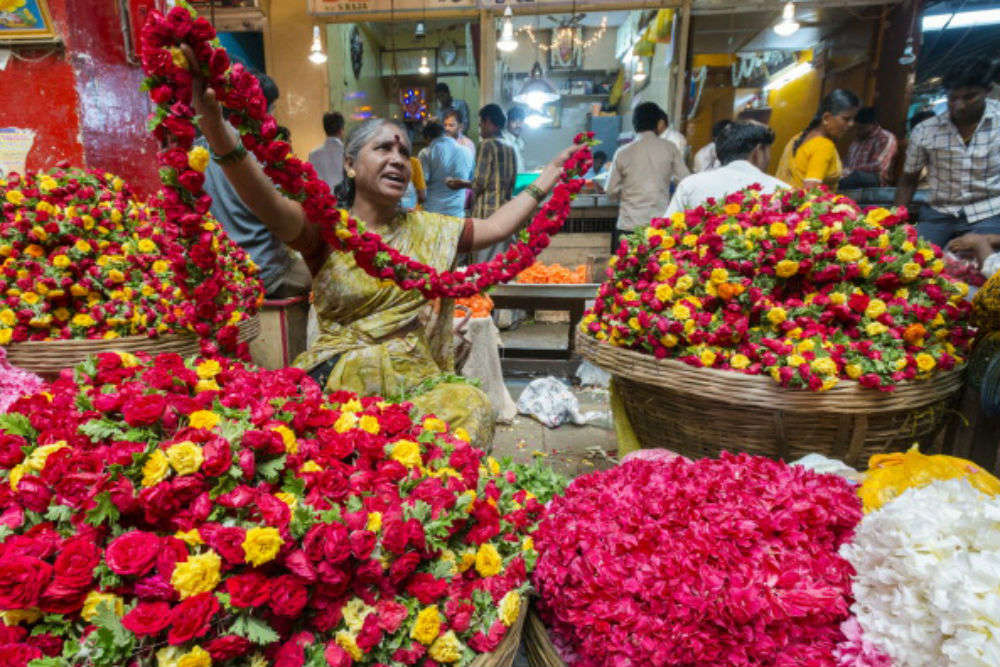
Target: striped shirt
point(493, 180)
point(962, 177)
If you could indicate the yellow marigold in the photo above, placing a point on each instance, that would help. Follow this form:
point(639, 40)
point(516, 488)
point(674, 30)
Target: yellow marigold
point(203, 419)
point(877, 215)
point(161, 266)
point(666, 272)
point(778, 230)
point(198, 574)
point(190, 537)
point(196, 657)
point(462, 434)
point(345, 422)
point(664, 292)
point(707, 357)
point(427, 625)
point(369, 424)
point(795, 360)
point(854, 371)
point(8, 317)
point(739, 361)
point(925, 362)
point(156, 468)
point(876, 307)
point(82, 320)
point(198, 158)
point(374, 522)
point(719, 275)
point(875, 329)
point(310, 466)
point(786, 268)
point(406, 452)
point(669, 340)
point(633, 323)
point(528, 544)
point(61, 261)
point(838, 298)
point(261, 545)
point(680, 312)
point(677, 220)
point(185, 457)
point(652, 232)
point(208, 368)
point(288, 438)
point(94, 600)
point(488, 560)
point(824, 366)
point(30, 298)
point(446, 648)
point(434, 425)
point(206, 385)
point(690, 240)
point(82, 246)
point(347, 642)
point(731, 209)
point(849, 253)
point(684, 283)
point(468, 560)
point(510, 608)
point(926, 253)
point(777, 315)
point(15, 197)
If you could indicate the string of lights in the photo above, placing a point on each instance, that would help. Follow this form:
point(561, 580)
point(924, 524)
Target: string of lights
point(566, 36)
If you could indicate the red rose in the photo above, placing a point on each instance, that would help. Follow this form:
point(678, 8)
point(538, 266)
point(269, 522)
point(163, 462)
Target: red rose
point(248, 590)
point(327, 541)
point(172, 551)
point(362, 543)
point(143, 410)
point(147, 618)
point(74, 566)
point(226, 540)
point(390, 614)
point(288, 596)
point(336, 656)
point(190, 619)
point(18, 655)
point(370, 634)
point(10, 450)
point(291, 653)
point(218, 457)
point(22, 579)
point(33, 493)
point(133, 553)
point(227, 647)
point(49, 645)
point(426, 587)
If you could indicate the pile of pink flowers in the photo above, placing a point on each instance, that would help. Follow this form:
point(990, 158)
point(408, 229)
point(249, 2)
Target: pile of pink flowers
point(713, 562)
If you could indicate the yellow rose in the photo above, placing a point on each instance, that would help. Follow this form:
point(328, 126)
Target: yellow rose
point(849, 253)
point(680, 312)
point(739, 361)
point(666, 272)
point(369, 424)
point(434, 425)
point(13, 617)
point(196, 657)
point(406, 452)
point(198, 158)
point(488, 560)
point(261, 545)
point(288, 438)
point(94, 600)
point(15, 197)
point(345, 422)
point(876, 216)
point(510, 608)
point(185, 457)
point(198, 574)
point(875, 329)
point(190, 537)
point(690, 240)
point(205, 419)
point(664, 292)
point(825, 366)
point(427, 625)
point(156, 468)
point(719, 275)
point(208, 369)
point(853, 371)
point(876, 307)
point(707, 358)
point(374, 522)
point(348, 643)
point(777, 315)
point(778, 230)
point(786, 268)
point(446, 648)
point(925, 362)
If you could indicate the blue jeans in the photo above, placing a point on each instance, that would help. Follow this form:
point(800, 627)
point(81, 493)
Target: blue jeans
point(939, 228)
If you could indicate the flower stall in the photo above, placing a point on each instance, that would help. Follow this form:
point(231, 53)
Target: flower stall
point(797, 322)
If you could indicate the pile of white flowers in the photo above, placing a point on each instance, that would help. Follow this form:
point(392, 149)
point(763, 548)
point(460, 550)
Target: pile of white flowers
point(927, 589)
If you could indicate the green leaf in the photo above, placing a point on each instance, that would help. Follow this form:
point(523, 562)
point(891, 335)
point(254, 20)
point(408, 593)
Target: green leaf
point(83, 403)
point(419, 510)
point(225, 484)
point(48, 662)
point(16, 423)
point(302, 520)
point(270, 470)
point(101, 429)
point(353, 504)
point(107, 577)
point(104, 511)
point(255, 630)
point(59, 513)
point(107, 621)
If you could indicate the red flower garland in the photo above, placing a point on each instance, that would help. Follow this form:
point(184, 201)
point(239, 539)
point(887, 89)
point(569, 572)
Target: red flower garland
point(238, 90)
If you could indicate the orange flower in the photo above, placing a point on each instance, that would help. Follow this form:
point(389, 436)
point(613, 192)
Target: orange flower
point(727, 291)
point(914, 332)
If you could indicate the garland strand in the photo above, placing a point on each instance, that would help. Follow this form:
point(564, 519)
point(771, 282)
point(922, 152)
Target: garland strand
point(170, 86)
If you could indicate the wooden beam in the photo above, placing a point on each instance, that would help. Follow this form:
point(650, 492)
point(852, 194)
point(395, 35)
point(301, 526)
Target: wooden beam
point(680, 67)
point(487, 57)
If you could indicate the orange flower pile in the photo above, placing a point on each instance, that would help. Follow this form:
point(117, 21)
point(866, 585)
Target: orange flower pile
point(552, 274)
point(480, 305)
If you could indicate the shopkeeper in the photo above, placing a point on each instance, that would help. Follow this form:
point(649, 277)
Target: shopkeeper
point(811, 159)
point(375, 338)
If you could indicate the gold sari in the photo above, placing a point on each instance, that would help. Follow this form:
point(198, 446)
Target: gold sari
point(390, 342)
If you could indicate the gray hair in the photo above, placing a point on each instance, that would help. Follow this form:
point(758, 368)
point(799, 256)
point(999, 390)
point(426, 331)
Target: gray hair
point(356, 140)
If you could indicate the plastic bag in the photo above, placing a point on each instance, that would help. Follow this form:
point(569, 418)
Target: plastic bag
point(551, 402)
point(828, 466)
point(590, 375)
point(653, 454)
point(890, 474)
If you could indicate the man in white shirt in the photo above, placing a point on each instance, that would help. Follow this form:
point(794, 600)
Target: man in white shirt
point(328, 158)
point(706, 158)
point(642, 171)
point(676, 138)
point(744, 149)
point(511, 135)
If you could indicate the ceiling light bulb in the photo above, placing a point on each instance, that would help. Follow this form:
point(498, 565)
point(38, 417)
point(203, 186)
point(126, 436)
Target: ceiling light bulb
point(787, 25)
point(424, 68)
point(507, 43)
point(317, 55)
point(908, 57)
point(536, 120)
point(420, 32)
point(640, 72)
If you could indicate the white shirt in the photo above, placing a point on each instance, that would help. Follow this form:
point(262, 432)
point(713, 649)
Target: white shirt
point(677, 139)
point(640, 177)
point(328, 160)
point(518, 144)
point(720, 183)
point(706, 159)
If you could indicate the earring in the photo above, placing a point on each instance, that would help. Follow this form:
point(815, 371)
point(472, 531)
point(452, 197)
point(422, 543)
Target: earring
point(351, 173)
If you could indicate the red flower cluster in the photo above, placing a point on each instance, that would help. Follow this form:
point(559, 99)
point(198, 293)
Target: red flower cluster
point(238, 90)
point(199, 512)
point(711, 562)
point(82, 258)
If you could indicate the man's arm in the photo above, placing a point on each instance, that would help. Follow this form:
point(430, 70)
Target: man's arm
point(916, 160)
point(906, 188)
point(614, 186)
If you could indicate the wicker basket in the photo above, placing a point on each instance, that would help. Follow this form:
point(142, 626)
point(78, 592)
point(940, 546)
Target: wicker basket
point(47, 357)
point(539, 649)
point(699, 412)
point(503, 655)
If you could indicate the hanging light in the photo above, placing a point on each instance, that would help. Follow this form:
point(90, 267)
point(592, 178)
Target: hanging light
point(909, 56)
point(420, 32)
point(535, 120)
point(317, 55)
point(507, 43)
point(787, 25)
point(537, 91)
point(424, 68)
point(639, 75)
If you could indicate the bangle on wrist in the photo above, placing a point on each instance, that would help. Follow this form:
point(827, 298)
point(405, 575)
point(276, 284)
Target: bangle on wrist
point(232, 157)
point(535, 192)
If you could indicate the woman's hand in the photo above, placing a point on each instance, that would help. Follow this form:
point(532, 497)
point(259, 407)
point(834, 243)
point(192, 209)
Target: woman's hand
point(206, 105)
point(969, 243)
point(550, 173)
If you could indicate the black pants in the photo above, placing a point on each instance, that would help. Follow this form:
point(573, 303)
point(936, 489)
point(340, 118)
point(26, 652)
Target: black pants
point(860, 179)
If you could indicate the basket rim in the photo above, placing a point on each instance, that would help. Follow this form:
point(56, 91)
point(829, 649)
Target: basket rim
point(735, 388)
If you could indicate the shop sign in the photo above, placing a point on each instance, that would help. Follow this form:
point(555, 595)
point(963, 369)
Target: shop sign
point(347, 7)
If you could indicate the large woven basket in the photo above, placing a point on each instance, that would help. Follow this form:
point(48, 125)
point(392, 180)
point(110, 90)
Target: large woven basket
point(699, 412)
point(47, 357)
point(503, 655)
point(538, 647)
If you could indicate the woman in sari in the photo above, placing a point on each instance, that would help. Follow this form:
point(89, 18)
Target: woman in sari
point(375, 338)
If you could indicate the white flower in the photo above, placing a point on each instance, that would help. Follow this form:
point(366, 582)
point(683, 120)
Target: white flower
point(927, 588)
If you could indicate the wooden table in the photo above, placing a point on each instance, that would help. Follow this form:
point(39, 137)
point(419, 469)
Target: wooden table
point(572, 298)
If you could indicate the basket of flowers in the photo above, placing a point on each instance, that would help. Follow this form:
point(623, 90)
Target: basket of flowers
point(88, 268)
point(199, 511)
point(781, 325)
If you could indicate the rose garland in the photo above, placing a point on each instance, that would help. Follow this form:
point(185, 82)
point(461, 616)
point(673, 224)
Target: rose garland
point(170, 87)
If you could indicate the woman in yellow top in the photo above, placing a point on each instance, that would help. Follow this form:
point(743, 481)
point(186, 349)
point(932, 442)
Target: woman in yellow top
point(810, 159)
point(376, 339)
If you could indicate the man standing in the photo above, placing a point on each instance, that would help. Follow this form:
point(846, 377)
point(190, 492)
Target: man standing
point(961, 150)
point(495, 173)
point(642, 171)
point(453, 128)
point(445, 102)
point(444, 159)
point(869, 159)
point(707, 158)
point(744, 151)
point(512, 133)
point(675, 137)
point(328, 158)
